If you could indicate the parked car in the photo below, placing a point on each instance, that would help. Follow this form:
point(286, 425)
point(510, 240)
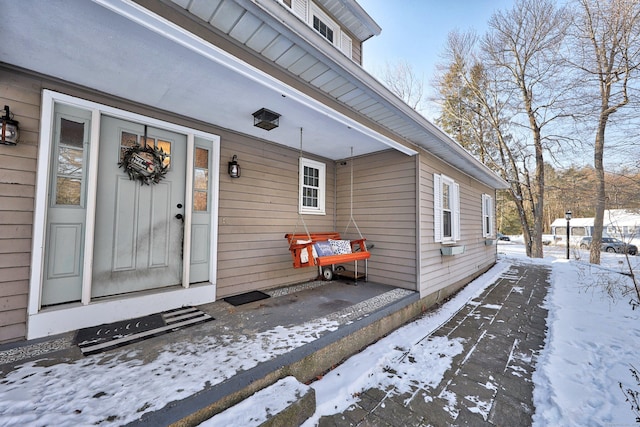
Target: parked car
point(503, 237)
point(611, 244)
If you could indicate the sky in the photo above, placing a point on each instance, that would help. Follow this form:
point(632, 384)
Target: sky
point(416, 31)
point(591, 342)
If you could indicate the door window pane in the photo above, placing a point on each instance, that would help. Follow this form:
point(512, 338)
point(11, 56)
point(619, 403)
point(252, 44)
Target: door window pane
point(201, 180)
point(70, 161)
point(165, 146)
point(128, 140)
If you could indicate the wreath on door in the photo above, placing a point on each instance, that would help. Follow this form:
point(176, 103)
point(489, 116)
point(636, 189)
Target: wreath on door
point(144, 164)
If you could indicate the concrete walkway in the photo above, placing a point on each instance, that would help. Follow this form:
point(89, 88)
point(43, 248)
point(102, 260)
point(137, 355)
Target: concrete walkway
point(489, 383)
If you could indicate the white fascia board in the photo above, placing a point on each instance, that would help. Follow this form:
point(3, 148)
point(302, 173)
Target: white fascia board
point(179, 35)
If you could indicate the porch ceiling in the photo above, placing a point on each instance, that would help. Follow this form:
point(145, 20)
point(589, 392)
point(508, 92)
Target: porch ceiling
point(103, 50)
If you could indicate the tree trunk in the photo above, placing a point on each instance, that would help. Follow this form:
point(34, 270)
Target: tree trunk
point(538, 208)
point(598, 221)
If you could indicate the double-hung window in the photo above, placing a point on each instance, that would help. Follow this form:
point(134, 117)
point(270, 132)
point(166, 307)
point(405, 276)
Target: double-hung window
point(487, 216)
point(312, 187)
point(446, 204)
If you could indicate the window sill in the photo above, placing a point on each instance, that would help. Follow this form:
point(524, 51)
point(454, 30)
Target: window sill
point(489, 242)
point(312, 212)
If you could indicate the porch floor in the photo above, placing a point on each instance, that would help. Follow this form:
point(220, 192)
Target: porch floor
point(299, 331)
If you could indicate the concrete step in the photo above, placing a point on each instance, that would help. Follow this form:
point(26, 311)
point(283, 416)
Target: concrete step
point(288, 402)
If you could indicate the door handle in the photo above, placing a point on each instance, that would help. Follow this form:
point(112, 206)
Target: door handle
point(179, 216)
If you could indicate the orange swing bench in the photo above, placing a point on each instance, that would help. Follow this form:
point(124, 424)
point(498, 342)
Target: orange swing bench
point(302, 247)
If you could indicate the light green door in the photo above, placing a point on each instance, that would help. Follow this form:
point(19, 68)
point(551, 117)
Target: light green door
point(139, 228)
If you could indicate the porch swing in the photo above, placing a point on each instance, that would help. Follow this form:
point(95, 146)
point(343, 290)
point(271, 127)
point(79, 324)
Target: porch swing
point(327, 250)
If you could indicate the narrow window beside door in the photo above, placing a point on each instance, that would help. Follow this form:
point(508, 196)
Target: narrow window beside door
point(201, 180)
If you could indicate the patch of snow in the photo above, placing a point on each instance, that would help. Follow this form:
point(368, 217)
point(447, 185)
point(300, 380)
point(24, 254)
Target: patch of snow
point(120, 387)
point(261, 406)
point(481, 407)
point(591, 342)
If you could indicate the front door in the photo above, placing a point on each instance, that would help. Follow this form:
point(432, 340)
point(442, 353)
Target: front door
point(139, 228)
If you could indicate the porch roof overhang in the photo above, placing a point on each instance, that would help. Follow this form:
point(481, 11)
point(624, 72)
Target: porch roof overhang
point(124, 48)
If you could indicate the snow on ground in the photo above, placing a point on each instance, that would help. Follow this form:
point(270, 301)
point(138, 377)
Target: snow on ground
point(418, 361)
point(120, 386)
point(593, 338)
point(591, 342)
point(262, 405)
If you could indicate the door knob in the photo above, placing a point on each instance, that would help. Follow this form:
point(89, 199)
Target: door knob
point(179, 216)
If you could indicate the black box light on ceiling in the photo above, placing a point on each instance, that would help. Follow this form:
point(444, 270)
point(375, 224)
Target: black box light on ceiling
point(266, 119)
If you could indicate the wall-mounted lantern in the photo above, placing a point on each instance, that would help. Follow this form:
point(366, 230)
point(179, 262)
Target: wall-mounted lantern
point(266, 119)
point(9, 128)
point(234, 167)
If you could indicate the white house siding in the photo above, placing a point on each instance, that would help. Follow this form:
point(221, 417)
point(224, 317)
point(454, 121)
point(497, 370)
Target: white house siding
point(440, 275)
point(17, 192)
point(384, 208)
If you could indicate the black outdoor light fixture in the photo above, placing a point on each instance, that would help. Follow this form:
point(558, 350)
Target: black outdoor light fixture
point(234, 167)
point(266, 119)
point(9, 128)
point(567, 216)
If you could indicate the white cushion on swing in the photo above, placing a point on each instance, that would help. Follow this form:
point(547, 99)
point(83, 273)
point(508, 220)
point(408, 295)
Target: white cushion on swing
point(304, 254)
point(340, 247)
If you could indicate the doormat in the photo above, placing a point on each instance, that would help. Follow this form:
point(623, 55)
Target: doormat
point(246, 298)
point(113, 335)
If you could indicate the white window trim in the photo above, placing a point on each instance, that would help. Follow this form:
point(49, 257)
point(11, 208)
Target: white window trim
point(438, 182)
point(322, 188)
point(488, 211)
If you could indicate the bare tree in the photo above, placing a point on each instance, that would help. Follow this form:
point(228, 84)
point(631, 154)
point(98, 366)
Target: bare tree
point(606, 36)
point(475, 110)
point(525, 45)
point(401, 79)
point(513, 84)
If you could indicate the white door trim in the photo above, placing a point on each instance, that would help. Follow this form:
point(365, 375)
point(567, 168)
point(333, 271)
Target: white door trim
point(188, 201)
point(71, 316)
point(92, 194)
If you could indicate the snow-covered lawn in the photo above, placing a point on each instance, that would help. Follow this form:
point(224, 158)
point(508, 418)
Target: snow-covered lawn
point(592, 341)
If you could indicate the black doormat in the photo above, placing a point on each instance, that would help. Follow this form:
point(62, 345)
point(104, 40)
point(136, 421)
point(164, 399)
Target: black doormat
point(113, 335)
point(246, 298)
